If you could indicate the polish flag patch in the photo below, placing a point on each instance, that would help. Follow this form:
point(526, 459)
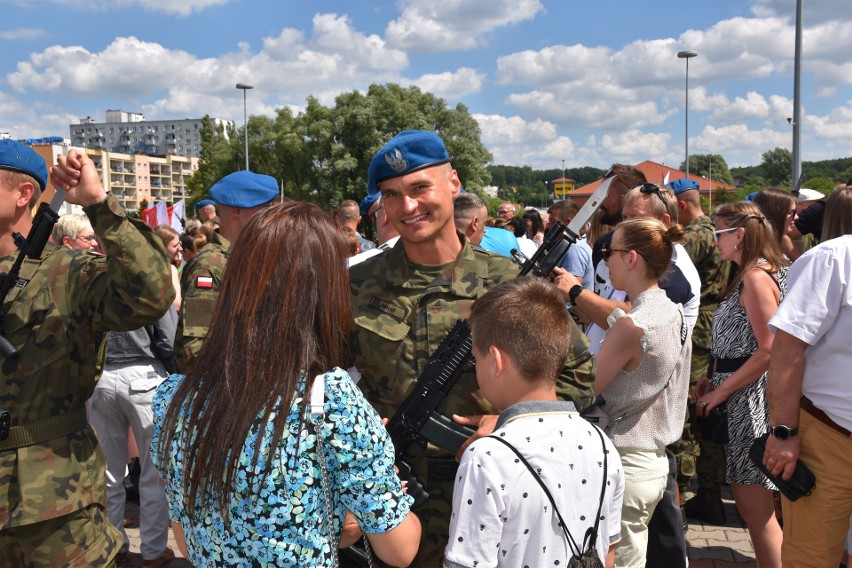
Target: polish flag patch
point(204, 282)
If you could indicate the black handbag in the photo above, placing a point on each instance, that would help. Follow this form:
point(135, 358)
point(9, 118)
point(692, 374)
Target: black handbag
point(714, 426)
point(800, 484)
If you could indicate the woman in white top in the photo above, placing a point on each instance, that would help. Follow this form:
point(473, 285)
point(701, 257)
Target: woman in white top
point(643, 374)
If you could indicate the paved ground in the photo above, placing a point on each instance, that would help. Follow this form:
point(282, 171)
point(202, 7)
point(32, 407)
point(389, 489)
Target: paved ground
point(709, 546)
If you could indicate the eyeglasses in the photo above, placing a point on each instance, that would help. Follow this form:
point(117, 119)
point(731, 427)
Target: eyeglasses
point(718, 232)
point(375, 211)
point(90, 238)
point(647, 188)
point(502, 212)
point(606, 251)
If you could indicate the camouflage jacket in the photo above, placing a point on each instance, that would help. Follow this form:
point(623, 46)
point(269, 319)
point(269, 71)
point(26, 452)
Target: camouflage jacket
point(199, 284)
point(58, 322)
point(399, 324)
point(712, 270)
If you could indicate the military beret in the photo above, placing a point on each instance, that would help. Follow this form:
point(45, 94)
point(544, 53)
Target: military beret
point(244, 189)
point(204, 203)
point(678, 186)
point(407, 152)
point(367, 202)
point(21, 158)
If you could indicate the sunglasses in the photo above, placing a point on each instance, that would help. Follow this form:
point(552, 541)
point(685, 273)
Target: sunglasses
point(647, 188)
point(607, 250)
point(718, 232)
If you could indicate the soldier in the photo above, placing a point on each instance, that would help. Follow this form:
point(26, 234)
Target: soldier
point(708, 460)
point(405, 300)
point(53, 493)
point(205, 210)
point(239, 195)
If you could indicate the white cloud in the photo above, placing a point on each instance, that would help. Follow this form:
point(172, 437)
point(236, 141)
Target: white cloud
point(172, 7)
point(835, 126)
point(450, 85)
point(752, 106)
point(634, 145)
point(22, 34)
point(739, 145)
point(429, 26)
point(287, 69)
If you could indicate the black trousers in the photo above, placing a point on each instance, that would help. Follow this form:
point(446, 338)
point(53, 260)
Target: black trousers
point(666, 541)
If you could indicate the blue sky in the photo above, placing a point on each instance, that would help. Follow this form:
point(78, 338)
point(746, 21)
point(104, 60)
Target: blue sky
point(590, 83)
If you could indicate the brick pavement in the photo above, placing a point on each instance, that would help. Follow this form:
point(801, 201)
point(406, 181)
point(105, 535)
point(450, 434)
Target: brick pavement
point(709, 546)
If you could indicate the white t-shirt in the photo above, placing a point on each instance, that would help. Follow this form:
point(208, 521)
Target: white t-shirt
point(818, 310)
point(502, 517)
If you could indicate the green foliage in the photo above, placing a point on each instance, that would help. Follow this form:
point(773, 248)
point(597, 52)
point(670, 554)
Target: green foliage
point(322, 154)
point(700, 164)
point(821, 184)
point(777, 167)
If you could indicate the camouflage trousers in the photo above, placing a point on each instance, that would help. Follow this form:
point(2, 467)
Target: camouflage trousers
point(694, 456)
point(434, 515)
point(81, 539)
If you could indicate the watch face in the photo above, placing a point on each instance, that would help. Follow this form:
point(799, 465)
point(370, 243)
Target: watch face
point(782, 432)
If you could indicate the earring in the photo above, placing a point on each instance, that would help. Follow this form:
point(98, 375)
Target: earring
point(738, 246)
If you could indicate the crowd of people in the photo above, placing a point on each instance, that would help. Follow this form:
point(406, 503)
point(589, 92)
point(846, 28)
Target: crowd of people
point(253, 357)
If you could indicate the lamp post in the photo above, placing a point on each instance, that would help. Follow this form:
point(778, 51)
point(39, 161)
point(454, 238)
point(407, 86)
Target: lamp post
point(686, 55)
point(245, 87)
point(544, 201)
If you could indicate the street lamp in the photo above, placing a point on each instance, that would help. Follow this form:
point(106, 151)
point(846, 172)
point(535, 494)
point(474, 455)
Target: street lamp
point(686, 55)
point(544, 201)
point(245, 87)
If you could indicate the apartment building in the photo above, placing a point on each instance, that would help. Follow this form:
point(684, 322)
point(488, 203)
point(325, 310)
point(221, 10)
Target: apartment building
point(129, 133)
point(132, 178)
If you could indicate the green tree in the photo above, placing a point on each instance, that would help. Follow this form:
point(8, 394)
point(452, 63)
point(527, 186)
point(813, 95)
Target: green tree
point(822, 184)
point(777, 166)
point(219, 157)
point(710, 166)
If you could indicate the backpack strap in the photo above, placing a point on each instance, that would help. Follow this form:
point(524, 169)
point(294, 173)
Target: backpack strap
point(572, 544)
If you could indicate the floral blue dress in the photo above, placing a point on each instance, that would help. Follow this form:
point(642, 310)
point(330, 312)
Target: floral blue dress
point(283, 521)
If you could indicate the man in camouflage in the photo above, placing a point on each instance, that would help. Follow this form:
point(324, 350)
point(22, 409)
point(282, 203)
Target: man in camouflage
point(707, 460)
point(53, 492)
point(239, 195)
point(407, 299)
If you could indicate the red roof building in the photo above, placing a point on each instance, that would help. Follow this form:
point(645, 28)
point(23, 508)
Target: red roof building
point(656, 173)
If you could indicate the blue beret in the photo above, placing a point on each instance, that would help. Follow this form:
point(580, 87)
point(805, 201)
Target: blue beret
point(367, 202)
point(407, 152)
point(750, 196)
point(204, 203)
point(678, 186)
point(21, 158)
point(244, 189)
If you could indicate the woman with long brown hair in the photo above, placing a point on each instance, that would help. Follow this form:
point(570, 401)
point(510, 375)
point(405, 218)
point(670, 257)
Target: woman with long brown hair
point(232, 437)
point(740, 344)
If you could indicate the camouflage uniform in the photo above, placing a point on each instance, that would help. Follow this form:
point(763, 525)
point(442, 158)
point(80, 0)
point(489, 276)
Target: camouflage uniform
point(198, 303)
point(402, 312)
point(714, 274)
point(53, 490)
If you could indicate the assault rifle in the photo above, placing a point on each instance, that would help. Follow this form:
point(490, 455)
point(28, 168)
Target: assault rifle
point(30, 246)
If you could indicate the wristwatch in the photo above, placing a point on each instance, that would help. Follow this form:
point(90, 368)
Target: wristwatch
point(783, 432)
point(574, 292)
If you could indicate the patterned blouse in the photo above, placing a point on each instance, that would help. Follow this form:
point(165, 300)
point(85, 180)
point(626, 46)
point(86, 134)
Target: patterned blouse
point(282, 522)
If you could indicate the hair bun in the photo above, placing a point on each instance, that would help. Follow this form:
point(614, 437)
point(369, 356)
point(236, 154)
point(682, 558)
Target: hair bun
point(674, 234)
